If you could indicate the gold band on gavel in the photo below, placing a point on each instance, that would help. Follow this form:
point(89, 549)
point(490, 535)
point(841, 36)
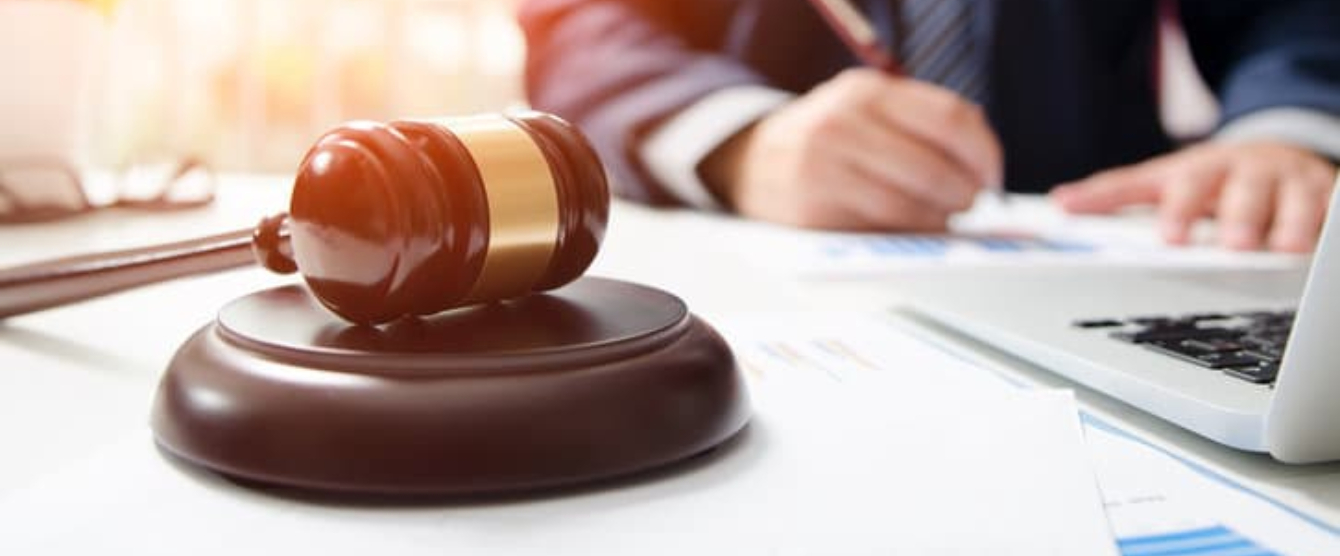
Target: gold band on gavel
point(522, 204)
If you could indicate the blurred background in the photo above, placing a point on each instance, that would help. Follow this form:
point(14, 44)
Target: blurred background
point(249, 84)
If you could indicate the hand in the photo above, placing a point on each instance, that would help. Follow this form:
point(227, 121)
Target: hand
point(861, 151)
point(1264, 194)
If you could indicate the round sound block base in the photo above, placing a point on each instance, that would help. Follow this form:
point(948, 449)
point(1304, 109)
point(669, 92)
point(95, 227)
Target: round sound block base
point(597, 379)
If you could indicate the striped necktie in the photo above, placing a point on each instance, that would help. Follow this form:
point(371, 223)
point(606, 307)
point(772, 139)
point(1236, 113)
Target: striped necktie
point(937, 44)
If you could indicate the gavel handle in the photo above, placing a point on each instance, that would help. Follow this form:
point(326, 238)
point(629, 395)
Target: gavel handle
point(46, 284)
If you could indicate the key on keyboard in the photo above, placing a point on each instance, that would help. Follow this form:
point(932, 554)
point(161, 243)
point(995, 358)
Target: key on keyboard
point(1247, 345)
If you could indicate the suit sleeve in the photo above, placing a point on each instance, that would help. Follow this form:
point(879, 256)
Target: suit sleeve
point(1262, 55)
point(617, 68)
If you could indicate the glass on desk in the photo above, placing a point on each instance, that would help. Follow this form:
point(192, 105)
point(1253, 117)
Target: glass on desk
point(41, 189)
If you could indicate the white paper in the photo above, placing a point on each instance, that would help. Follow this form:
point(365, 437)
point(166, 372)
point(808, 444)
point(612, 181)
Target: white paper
point(1157, 500)
point(1028, 231)
point(850, 451)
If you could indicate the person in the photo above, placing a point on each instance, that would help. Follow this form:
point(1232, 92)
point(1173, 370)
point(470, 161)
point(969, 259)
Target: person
point(756, 106)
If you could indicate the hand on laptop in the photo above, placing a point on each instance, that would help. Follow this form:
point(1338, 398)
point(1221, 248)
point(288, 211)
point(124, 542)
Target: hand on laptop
point(1264, 194)
point(863, 150)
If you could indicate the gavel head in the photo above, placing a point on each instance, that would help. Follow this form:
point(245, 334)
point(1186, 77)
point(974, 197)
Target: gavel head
point(417, 217)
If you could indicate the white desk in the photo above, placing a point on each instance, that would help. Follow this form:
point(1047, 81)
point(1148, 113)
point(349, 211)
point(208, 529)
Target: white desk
point(75, 378)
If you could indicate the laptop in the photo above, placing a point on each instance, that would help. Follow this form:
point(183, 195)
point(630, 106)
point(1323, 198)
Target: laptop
point(1247, 358)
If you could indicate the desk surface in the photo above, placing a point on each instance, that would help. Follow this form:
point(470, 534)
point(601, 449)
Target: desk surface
point(75, 379)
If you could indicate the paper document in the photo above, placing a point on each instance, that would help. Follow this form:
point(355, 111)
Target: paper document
point(1028, 231)
point(1159, 502)
point(859, 444)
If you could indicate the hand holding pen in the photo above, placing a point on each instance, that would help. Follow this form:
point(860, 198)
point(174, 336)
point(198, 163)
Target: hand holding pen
point(865, 150)
point(862, 40)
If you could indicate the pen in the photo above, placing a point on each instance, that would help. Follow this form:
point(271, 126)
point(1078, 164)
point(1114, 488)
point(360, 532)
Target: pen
point(858, 34)
point(860, 37)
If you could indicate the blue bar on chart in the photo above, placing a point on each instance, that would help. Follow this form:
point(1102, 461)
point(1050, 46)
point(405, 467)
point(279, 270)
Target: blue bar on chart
point(1210, 541)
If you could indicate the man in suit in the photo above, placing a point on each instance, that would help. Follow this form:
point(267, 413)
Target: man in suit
point(756, 106)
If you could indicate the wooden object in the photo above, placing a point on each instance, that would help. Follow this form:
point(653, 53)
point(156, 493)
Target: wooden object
point(597, 379)
point(455, 377)
point(387, 220)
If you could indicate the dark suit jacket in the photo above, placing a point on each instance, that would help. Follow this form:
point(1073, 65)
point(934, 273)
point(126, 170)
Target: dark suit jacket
point(1072, 80)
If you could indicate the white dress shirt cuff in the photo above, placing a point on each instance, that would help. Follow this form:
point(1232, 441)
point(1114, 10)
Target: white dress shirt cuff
point(673, 152)
point(1312, 129)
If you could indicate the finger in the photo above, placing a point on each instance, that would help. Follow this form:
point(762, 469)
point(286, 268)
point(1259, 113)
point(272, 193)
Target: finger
point(900, 161)
point(1182, 201)
point(1245, 207)
point(874, 206)
point(1107, 191)
point(1299, 212)
point(945, 121)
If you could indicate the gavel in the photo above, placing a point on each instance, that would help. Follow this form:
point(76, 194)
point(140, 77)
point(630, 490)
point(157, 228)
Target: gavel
point(411, 217)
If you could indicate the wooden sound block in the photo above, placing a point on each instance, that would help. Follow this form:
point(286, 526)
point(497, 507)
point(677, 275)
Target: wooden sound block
point(596, 379)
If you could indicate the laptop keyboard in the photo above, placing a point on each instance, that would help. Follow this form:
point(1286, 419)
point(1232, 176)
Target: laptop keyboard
point(1247, 345)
